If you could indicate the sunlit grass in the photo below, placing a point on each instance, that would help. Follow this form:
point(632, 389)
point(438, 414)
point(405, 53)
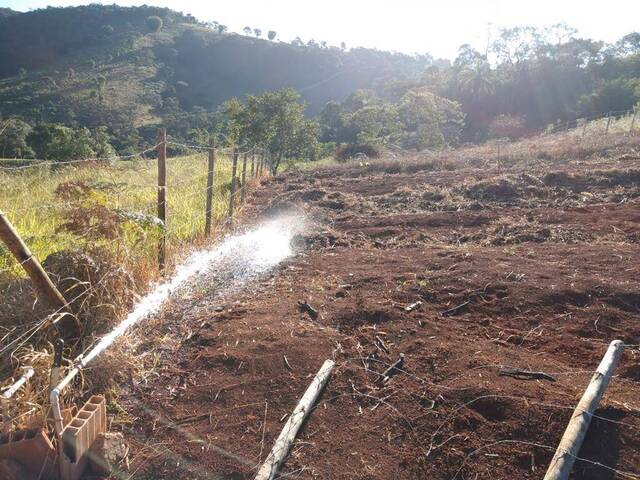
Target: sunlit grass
point(28, 199)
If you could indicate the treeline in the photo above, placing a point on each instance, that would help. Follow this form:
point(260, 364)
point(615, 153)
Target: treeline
point(133, 69)
point(532, 77)
point(51, 141)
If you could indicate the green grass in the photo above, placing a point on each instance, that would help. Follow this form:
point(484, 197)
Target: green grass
point(28, 199)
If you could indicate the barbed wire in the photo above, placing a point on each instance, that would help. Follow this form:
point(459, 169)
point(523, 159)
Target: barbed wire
point(82, 160)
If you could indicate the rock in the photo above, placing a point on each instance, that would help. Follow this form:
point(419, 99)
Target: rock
point(109, 451)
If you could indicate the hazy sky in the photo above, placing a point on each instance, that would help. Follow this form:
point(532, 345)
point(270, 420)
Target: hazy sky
point(418, 26)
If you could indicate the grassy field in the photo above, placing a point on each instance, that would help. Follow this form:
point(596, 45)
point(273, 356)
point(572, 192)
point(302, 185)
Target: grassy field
point(116, 204)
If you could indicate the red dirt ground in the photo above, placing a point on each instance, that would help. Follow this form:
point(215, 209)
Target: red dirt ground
point(547, 260)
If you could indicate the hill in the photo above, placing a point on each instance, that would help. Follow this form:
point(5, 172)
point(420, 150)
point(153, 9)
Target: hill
point(118, 66)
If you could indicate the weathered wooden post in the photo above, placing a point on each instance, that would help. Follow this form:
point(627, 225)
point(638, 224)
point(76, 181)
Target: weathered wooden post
point(162, 196)
point(253, 164)
point(234, 169)
point(211, 168)
point(284, 442)
point(565, 456)
point(606, 132)
point(633, 119)
point(584, 127)
point(244, 178)
point(43, 284)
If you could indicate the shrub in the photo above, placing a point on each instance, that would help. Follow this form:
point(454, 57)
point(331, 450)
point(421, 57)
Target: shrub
point(107, 29)
point(345, 152)
point(509, 126)
point(154, 23)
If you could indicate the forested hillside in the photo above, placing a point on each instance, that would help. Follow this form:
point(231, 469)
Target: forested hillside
point(121, 67)
point(128, 70)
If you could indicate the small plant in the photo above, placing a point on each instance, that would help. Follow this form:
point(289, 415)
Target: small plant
point(346, 152)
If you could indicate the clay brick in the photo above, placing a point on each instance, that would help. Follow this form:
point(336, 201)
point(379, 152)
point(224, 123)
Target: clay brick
point(30, 448)
point(80, 434)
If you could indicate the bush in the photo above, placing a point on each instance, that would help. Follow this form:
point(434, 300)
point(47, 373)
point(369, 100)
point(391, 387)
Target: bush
point(107, 29)
point(154, 23)
point(509, 126)
point(345, 152)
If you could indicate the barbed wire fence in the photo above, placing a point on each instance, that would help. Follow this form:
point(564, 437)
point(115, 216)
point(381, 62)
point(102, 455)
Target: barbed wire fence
point(112, 204)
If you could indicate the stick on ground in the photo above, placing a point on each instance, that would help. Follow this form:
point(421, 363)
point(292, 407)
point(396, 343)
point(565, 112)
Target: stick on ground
point(275, 459)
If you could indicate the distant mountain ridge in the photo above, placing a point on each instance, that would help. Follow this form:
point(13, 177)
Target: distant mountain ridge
point(110, 65)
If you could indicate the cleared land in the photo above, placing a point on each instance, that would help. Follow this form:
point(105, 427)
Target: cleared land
point(532, 266)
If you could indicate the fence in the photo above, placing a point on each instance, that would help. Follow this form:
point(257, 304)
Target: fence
point(142, 209)
point(621, 121)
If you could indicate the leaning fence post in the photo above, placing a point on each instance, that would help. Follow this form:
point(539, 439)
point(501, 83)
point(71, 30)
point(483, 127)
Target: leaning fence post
point(162, 196)
point(565, 456)
point(234, 169)
point(606, 132)
point(633, 119)
point(23, 255)
point(244, 178)
point(211, 168)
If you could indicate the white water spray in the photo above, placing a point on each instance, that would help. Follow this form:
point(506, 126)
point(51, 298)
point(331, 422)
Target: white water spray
point(252, 252)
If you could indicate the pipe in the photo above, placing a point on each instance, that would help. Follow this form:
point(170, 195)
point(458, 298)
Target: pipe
point(54, 398)
point(27, 373)
point(8, 393)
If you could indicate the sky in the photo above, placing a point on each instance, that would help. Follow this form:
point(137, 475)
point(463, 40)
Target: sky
point(418, 26)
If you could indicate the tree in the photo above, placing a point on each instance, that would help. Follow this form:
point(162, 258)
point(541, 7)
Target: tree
point(257, 32)
point(615, 95)
point(52, 141)
point(154, 23)
point(247, 30)
point(102, 143)
point(428, 121)
point(272, 35)
point(13, 139)
point(221, 28)
point(274, 121)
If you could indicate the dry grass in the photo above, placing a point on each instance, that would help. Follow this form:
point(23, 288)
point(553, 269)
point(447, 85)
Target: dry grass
point(93, 227)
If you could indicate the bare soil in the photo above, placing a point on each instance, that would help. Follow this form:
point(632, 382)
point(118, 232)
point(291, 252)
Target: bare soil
point(534, 269)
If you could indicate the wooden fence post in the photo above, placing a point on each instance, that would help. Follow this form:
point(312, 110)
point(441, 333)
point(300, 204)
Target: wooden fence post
point(43, 284)
point(584, 127)
point(211, 168)
point(253, 164)
point(234, 169)
point(633, 120)
point(244, 178)
point(567, 451)
point(162, 196)
point(608, 124)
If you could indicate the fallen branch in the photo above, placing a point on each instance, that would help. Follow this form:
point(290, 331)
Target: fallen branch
point(392, 370)
point(456, 309)
point(275, 459)
point(525, 374)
